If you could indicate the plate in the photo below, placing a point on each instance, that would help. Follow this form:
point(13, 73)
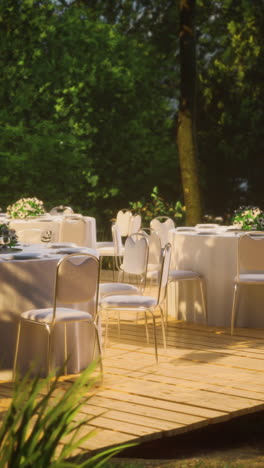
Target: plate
point(57, 245)
point(72, 251)
point(26, 256)
point(207, 233)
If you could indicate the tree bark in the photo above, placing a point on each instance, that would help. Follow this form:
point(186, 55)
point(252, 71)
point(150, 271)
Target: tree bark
point(186, 131)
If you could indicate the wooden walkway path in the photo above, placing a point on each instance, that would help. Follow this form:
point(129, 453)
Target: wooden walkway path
point(205, 377)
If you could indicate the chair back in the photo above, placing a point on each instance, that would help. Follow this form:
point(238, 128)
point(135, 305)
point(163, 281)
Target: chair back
point(162, 225)
point(135, 260)
point(134, 225)
point(154, 245)
point(73, 229)
point(77, 279)
point(123, 218)
point(117, 240)
point(61, 209)
point(250, 257)
point(164, 273)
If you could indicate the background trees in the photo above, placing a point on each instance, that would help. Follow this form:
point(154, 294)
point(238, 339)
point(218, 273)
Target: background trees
point(89, 98)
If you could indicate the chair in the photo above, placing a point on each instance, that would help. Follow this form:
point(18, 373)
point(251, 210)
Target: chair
point(127, 224)
point(162, 225)
point(140, 303)
point(34, 236)
point(113, 249)
point(134, 224)
point(177, 276)
point(134, 264)
point(250, 266)
point(61, 210)
point(123, 219)
point(77, 279)
point(73, 229)
point(154, 260)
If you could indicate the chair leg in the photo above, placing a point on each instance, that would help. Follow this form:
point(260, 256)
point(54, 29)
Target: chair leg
point(16, 349)
point(65, 350)
point(177, 284)
point(113, 267)
point(120, 277)
point(118, 323)
point(167, 305)
point(155, 334)
point(234, 307)
point(203, 296)
point(163, 328)
point(106, 331)
point(146, 327)
point(48, 349)
point(98, 341)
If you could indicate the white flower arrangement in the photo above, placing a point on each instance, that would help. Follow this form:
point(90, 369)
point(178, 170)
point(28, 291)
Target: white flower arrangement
point(249, 218)
point(8, 237)
point(26, 207)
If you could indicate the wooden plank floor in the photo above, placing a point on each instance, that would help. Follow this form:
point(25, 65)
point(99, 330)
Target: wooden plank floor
point(206, 376)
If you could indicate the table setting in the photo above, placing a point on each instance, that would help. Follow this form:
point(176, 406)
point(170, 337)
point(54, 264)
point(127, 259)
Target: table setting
point(28, 214)
point(27, 276)
point(213, 253)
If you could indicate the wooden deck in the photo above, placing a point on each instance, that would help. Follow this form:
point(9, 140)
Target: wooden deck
point(205, 377)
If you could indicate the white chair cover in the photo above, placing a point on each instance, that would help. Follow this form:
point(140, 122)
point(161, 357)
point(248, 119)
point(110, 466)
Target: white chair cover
point(135, 255)
point(123, 219)
point(134, 225)
point(61, 209)
point(73, 227)
point(162, 226)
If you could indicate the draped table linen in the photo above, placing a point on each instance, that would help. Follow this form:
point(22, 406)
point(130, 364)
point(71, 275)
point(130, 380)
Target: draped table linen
point(29, 284)
point(80, 230)
point(215, 256)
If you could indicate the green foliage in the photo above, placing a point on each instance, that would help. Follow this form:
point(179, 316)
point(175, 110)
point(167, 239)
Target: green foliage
point(89, 95)
point(26, 207)
point(230, 109)
point(249, 218)
point(157, 206)
point(39, 418)
point(81, 108)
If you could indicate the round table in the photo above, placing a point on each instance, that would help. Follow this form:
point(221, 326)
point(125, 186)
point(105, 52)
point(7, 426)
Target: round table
point(69, 228)
point(29, 284)
point(215, 256)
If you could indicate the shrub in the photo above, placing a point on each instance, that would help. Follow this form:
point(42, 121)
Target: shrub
point(157, 206)
point(39, 418)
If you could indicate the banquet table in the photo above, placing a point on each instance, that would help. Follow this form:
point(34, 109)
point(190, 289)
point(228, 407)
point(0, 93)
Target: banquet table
point(70, 228)
point(27, 283)
point(215, 256)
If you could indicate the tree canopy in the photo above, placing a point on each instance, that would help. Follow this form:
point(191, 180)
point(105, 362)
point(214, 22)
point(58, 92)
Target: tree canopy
point(90, 93)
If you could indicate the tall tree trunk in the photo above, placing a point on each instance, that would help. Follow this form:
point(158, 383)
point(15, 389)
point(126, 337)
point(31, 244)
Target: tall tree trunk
point(186, 132)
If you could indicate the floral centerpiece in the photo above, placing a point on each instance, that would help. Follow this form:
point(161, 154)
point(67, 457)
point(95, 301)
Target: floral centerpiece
point(249, 218)
point(8, 237)
point(26, 207)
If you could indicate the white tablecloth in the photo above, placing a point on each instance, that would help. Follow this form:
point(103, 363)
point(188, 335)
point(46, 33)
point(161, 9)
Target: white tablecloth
point(81, 231)
point(27, 284)
point(215, 256)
